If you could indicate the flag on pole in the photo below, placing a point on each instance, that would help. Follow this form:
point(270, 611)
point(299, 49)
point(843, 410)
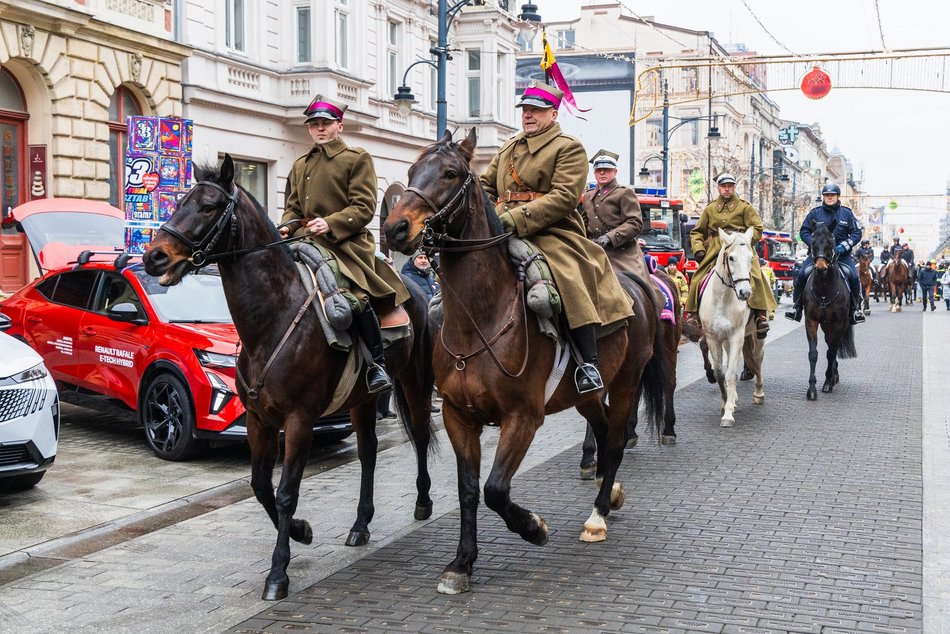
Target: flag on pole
point(549, 65)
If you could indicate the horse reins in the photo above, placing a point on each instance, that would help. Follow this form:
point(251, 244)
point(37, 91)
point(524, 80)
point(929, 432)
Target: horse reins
point(734, 280)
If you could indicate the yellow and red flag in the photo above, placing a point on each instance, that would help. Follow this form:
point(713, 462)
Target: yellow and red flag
point(549, 65)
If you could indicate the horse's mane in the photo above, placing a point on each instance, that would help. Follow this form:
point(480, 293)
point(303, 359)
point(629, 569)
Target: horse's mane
point(452, 150)
point(212, 172)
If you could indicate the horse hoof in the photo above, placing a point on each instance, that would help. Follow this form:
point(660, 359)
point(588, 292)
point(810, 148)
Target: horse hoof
point(301, 532)
point(867, 311)
point(275, 591)
point(812, 394)
point(727, 422)
point(616, 497)
point(758, 400)
point(747, 375)
point(668, 439)
point(710, 377)
point(827, 388)
point(423, 511)
point(453, 583)
point(632, 441)
point(357, 538)
point(539, 536)
point(588, 473)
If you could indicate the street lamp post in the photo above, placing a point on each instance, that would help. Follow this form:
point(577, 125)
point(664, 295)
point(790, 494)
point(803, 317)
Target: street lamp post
point(780, 170)
point(404, 98)
point(712, 135)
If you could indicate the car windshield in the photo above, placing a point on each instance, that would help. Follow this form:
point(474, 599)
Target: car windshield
point(198, 298)
point(663, 233)
point(73, 229)
point(780, 250)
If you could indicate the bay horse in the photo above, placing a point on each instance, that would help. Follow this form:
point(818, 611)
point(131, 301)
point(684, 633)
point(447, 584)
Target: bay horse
point(728, 326)
point(285, 355)
point(866, 277)
point(827, 303)
point(898, 275)
point(492, 361)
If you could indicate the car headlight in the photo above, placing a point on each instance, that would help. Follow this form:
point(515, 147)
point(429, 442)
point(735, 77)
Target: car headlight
point(215, 359)
point(38, 371)
point(221, 394)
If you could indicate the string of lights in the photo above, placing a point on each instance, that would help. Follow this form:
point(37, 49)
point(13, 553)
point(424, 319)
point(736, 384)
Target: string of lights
point(649, 23)
point(767, 32)
point(880, 27)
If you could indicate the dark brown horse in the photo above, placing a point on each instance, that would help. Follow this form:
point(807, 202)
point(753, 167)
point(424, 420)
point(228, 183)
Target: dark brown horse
point(827, 301)
point(866, 277)
point(898, 276)
point(492, 361)
point(286, 357)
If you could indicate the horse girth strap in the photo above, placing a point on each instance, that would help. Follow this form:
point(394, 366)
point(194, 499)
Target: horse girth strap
point(254, 392)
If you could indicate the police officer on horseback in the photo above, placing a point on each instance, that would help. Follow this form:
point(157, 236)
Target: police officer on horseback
point(331, 198)
point(847, 230)
point(865, 251)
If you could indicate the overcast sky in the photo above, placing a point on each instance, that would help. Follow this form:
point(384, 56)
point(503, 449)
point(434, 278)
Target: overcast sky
point(899, 140)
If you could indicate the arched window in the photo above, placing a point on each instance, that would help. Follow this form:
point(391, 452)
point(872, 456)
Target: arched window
point(123, 104)
point(13, 116)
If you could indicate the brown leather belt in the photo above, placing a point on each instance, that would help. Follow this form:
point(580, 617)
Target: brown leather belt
point(517, 197)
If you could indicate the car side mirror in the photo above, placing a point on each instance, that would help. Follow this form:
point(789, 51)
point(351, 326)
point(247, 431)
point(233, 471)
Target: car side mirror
point(125, 312)
point(5, 322)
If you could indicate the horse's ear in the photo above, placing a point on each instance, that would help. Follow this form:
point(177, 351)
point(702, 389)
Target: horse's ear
point(749, 234)
point(724, 237)
point(446, 137)
point(227, 170)
point(467, 147)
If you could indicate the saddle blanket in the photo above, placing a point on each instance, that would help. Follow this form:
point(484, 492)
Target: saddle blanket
point(666, 313)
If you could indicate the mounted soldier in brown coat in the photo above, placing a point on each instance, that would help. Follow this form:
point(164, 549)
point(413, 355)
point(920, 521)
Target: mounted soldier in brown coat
point(536, 180)
point(332, 192)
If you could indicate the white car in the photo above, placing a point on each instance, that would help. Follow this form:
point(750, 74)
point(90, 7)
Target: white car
point(29, 414)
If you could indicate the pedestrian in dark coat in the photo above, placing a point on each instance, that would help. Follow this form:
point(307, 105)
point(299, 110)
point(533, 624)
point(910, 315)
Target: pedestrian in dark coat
point(419, 271)
point(927, 279)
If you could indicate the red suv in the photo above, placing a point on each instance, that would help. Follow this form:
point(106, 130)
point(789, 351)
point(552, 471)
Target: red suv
point(107, 329)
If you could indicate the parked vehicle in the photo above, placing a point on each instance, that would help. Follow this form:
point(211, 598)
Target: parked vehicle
point(112, 335)
point(777, 248)
point(29, 414)
point(662, 233)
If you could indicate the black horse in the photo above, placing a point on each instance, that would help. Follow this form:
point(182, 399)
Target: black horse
point(827, 302)
point(286, 358)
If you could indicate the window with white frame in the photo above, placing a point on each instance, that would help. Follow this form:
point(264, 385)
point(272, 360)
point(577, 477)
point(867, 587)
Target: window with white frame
point(392, 55)
point(565, 39)
point(473, 80)
point(303, 34)
point(342, 34)
point(234, 20)
point(500, 85)
point(433, 81)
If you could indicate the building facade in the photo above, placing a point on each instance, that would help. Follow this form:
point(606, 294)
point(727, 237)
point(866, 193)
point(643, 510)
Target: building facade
point(70, 72)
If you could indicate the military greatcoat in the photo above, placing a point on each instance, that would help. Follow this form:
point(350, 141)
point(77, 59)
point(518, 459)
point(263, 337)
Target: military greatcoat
point(554, 165)
point(613, 210)
point(734, 215)
point(338, 183)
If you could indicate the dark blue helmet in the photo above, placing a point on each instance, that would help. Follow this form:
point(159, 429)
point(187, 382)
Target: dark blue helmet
point(830, 188)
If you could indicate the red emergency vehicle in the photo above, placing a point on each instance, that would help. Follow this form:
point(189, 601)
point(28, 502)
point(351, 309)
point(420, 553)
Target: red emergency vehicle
point(662, 225)
point(776, 248)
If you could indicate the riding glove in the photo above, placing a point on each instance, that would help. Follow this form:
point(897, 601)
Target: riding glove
point(603, 241)
point(507, 222)
point(700, 256)
point(840, 249)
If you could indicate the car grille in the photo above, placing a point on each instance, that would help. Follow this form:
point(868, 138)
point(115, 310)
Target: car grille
point(14, 455)
point(21, 401)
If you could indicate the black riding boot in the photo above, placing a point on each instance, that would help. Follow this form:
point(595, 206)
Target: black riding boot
point(857, 302)
point(587, 376)
point(797, 307)
point(367, 327)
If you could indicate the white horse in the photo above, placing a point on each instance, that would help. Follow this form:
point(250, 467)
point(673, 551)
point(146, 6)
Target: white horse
point(727, 323)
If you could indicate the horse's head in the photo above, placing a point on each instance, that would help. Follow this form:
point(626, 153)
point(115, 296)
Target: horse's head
point(736, 256)
point(439, 182)
point(197, 228)
point(822, 247)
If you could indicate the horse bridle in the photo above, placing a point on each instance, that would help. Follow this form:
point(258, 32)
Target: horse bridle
point(200, 248)
point(733, 280)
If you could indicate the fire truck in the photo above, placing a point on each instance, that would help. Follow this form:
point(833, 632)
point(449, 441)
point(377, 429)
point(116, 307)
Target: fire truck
point(662, 232)
point(777, 248)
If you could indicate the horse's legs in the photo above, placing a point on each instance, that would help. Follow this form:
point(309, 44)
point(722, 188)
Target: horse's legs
point(811, 332)
point(831, 356)
point(704, 348)
point(363, 417)
point(517, 432)
point(466, 441)
point(753, 350)
point(668, 437)
point(733, 359)
point(414, 394)
point(588, 455)
point(610, 428)
point(298, 437)
point(263, 442)
point(715, 359)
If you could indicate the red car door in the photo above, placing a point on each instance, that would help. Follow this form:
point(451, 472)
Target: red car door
point(109, 350)
point(51, 325)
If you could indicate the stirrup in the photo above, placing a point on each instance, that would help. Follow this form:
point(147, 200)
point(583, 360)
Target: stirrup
point(761, 326)
point(587, 378)
point(795, 314)
point(376, 379)
point(857, 317)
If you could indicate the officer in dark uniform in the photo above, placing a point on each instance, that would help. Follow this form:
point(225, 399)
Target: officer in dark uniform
point(865, 251)
point(847, 230)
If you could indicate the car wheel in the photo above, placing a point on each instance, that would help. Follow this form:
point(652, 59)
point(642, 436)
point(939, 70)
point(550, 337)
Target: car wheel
point(20, 482)
point(168, 419)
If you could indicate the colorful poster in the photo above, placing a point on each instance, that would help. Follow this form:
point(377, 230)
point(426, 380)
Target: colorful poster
point(157, 175)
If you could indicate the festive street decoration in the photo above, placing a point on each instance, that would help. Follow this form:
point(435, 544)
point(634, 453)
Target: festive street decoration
point(549, 65)
point(816, 83)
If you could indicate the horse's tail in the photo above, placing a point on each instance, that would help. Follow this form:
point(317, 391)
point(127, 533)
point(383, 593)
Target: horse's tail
point(846, 349)
point(658, 383)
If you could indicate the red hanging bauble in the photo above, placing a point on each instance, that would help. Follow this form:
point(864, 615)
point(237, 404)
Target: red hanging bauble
point(816, 83)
